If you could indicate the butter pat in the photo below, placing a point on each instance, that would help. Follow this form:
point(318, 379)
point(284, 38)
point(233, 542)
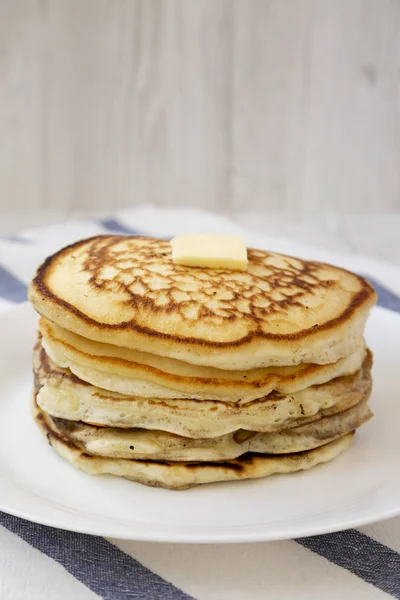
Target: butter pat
point(210, 250)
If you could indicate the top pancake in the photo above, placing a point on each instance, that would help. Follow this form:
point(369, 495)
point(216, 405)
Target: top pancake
point(127, 291)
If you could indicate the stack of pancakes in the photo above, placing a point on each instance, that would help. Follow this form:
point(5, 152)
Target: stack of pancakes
point(174, 376)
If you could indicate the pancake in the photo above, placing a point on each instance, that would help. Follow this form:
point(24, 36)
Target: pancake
point(64, 396)
point(126, 291)
point(312, 435)
point(144, 444)
point(136, 373)
point(181, 475)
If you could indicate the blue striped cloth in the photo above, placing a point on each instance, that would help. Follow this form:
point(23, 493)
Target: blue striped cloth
point(42, 562)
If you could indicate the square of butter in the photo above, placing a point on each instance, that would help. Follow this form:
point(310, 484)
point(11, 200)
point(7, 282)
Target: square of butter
point(210, 250)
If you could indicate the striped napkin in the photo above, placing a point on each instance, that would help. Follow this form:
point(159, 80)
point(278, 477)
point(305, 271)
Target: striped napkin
point(42, 562)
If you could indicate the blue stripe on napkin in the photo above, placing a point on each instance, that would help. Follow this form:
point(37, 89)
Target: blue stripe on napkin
point(95, 562)
point(115, 226)
point(386, 298)
point(370, 560)
point(16, 239)
point(11, 288)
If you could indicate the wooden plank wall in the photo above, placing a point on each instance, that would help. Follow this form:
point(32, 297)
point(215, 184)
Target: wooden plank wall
point(280, 105)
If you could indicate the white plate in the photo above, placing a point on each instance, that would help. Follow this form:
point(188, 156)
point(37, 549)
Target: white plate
point(359, 487)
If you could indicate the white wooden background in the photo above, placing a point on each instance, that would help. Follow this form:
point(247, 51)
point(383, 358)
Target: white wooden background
point(277, 105)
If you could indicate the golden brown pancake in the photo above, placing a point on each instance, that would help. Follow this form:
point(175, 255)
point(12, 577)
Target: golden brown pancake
point(147, 444)
point(136, 373)
point(64, 395)
point(181, 475)
point(126, 291)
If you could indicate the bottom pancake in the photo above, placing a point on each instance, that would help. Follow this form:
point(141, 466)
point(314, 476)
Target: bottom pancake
point(181, 475)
